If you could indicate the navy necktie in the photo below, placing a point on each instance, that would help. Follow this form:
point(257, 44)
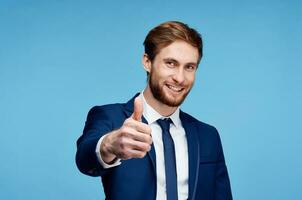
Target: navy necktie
point(170, 161)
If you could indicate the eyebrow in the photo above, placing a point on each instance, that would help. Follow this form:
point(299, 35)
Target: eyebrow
point(173, 60)
point(170, 60)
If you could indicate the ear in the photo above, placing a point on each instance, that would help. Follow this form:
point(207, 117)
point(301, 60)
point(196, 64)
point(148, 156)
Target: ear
point(146, 63)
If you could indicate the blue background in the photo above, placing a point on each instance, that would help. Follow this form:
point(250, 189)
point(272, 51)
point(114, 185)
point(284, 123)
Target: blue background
point(60, 58)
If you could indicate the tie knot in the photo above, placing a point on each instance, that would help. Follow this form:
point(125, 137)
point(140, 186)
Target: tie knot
point(164, 124)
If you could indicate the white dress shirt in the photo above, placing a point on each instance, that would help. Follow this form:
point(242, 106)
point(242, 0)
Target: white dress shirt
point(181, 152)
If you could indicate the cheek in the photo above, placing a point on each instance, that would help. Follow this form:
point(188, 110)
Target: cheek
point(162, 75)
point(190, 78)
point(157, 77)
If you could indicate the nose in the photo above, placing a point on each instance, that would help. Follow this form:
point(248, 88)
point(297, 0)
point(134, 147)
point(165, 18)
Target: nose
point(179, 76)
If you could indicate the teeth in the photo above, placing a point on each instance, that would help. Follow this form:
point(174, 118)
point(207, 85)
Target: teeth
point(176, 89)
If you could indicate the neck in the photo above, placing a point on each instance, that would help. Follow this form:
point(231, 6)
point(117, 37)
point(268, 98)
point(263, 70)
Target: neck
point(161, 108)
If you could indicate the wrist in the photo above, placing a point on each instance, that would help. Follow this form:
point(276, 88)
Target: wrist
point(105, 151)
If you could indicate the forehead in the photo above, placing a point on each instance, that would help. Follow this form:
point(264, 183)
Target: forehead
point(181, 51)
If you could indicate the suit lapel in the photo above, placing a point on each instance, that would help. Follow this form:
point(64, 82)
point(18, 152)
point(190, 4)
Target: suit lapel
point(193, 152)
point(129, 107)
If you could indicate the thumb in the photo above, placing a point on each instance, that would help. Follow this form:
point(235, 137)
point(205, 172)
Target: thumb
point(138, 109)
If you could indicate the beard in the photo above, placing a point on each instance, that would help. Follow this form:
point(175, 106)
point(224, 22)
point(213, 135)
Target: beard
point(159, 94)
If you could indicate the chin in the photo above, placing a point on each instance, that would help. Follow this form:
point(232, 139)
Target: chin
point(173, 101)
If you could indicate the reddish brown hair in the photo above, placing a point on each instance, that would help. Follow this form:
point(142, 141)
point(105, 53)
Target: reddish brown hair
point(167, 33)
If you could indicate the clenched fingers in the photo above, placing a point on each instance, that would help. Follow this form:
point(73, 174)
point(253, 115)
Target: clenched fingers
point(131, 133)
point(139, 126)
point(130, 148)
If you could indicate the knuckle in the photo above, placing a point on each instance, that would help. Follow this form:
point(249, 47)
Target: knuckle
point(122, 143)
point(146, 147)
point(122, 146)
point(142, 154)
point(148, 139)
point(129, 121)
point(124, 131)
point(149, 130)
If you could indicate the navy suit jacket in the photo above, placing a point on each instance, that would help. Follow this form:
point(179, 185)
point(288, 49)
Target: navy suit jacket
point(135, 179)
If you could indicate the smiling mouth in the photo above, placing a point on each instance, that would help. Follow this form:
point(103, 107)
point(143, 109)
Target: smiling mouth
point(175, 89)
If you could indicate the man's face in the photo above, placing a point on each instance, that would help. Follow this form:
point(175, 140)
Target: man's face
point(172, 73)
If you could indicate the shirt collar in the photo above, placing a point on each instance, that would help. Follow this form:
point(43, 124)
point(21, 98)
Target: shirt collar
point(152, 115)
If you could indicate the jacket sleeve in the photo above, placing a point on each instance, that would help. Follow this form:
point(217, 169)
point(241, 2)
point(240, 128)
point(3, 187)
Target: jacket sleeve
point(222, 183)
point(97, 125)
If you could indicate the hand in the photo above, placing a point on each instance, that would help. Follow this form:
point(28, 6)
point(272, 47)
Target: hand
point(132, 140)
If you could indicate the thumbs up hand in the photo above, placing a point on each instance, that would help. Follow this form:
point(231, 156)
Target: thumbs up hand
point(132, 140)
point(138, 109)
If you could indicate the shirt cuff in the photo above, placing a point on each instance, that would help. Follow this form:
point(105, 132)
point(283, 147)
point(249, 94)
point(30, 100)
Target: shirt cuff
point(98, 155)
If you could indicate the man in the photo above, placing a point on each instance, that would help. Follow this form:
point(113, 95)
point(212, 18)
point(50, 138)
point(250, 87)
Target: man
point(148, 148)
